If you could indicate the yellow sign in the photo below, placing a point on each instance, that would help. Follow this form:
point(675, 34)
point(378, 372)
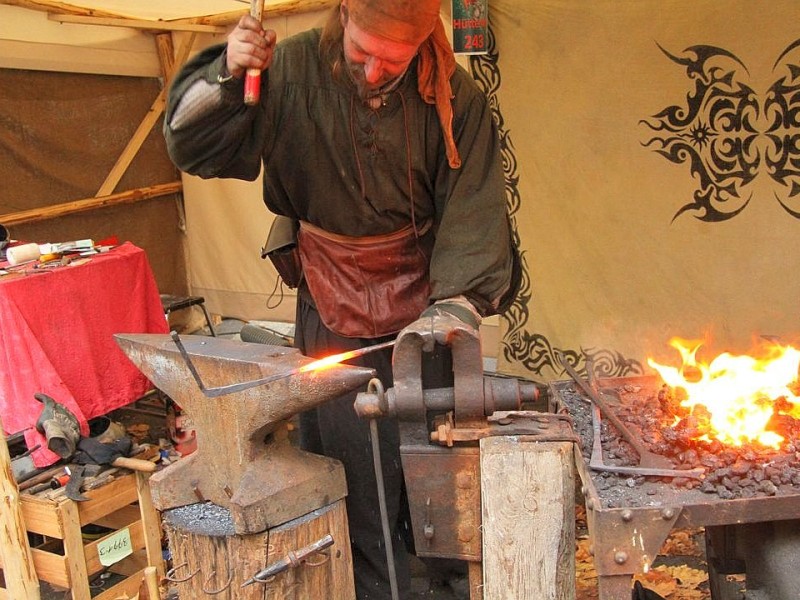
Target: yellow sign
point(115, 547)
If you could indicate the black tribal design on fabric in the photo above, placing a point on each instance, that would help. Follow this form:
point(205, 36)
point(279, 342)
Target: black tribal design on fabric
point(732, 135)
point(531, 350)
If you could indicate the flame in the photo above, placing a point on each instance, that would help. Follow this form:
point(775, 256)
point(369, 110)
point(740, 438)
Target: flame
point(739, 392)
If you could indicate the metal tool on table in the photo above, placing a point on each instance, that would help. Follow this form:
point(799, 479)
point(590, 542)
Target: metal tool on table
point(244, 460)
point(72, 489)
point(54, 481)
point(93, 451)
point(22, 466)
point(252, 78)
point(650, 463)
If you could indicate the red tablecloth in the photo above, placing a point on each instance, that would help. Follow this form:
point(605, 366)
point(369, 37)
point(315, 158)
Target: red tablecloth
point(57, 328)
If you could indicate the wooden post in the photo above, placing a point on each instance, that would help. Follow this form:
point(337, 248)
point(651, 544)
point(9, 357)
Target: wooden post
point(151, 523)
point(18, 571)
point(151, 580)
point(528, 516)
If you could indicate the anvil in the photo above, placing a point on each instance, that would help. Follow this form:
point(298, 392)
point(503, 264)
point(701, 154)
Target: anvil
point(244, 460)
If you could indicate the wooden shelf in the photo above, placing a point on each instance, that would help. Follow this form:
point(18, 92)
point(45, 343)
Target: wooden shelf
point(69, 561)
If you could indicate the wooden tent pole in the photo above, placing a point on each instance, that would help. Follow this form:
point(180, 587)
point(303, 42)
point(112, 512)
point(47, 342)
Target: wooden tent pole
point(68, 208)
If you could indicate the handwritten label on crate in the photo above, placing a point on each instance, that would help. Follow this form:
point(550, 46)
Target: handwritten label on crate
point(115, 547)
point(470, 26)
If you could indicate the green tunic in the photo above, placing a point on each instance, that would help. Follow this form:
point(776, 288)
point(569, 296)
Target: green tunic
point(334, 162)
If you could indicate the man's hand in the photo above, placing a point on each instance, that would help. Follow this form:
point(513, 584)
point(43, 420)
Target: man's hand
point(440, 322)
point(250, 46)
point(458, 307)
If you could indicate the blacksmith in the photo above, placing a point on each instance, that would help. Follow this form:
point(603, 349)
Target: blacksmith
point(384, 152)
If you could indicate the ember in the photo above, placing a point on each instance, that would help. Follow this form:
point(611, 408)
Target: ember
point(736, 399)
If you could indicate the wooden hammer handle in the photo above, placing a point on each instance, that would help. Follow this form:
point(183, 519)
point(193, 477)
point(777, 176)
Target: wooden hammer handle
point(252, 79)
point(135, 464)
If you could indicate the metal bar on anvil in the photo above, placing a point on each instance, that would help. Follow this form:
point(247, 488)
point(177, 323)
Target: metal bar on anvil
point(215, 392)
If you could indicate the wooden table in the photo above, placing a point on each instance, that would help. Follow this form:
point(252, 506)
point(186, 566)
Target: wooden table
point(57, 327)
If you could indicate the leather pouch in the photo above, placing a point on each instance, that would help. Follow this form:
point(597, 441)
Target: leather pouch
point(281, 249)
point(367, 287)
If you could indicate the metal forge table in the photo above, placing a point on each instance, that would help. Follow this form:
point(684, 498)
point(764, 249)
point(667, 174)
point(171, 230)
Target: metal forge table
point(630, 517)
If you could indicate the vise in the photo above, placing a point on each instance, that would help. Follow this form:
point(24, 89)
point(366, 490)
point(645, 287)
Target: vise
point(244, 460)
point(440, 431)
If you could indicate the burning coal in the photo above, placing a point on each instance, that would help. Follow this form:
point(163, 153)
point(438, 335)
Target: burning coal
point(735, 400)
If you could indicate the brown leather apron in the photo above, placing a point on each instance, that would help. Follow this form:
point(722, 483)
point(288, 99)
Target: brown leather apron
point(367, 287)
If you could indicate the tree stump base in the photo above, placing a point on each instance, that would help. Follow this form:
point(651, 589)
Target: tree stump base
point(210, 560)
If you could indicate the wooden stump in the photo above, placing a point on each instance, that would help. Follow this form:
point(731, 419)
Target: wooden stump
point(528, 492)
point(211, 561)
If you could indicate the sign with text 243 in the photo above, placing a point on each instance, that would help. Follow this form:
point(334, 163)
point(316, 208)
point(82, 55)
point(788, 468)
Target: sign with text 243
point(470, 24)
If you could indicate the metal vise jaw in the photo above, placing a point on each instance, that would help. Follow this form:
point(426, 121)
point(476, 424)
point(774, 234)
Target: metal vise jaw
point(244, 460)
point(472, 399)
point(440, 429)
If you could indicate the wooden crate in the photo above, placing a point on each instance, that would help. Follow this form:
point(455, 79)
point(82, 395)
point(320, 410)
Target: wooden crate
point(123, 502)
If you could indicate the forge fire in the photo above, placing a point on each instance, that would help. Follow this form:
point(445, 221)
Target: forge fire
point(736, 418)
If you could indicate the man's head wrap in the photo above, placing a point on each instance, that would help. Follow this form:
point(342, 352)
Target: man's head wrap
point(417, 22)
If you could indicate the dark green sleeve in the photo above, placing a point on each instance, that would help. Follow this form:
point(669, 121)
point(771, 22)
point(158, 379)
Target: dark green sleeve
point(474, 254)
point(224, 142)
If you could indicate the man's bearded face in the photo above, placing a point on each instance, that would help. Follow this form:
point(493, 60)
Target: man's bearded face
point(373, 61)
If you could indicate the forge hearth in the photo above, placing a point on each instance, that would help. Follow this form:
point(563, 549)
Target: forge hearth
point(740, 495)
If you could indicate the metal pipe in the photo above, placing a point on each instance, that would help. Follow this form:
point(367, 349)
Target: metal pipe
point(375, 386)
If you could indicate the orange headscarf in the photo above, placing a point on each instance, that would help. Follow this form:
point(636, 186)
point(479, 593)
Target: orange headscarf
point(417, 22)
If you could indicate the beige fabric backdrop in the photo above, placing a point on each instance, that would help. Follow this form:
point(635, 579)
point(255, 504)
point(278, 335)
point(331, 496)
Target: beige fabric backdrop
point(615, 269)
point(226, 226)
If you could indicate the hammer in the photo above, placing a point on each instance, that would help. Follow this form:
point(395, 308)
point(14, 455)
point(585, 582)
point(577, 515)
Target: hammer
point(252, 80)
point(92, 451)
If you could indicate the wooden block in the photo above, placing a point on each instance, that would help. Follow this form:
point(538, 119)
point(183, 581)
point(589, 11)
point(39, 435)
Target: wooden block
point(206, 565)
point(528, 516)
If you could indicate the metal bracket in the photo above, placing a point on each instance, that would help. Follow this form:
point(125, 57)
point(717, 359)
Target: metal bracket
point(632, 537)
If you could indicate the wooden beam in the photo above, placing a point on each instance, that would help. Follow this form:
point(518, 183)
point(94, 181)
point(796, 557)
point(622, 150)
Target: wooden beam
point(136, 141)
point(141, 133)
point(60, 7)
point(290, 7)
point(166, 56)
point(148, 25)
point(44, 213)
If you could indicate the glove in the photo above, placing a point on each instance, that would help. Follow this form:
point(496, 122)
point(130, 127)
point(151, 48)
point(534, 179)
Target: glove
point(458, 307)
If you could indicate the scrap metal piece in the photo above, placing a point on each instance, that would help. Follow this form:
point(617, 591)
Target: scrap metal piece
point(596, 461)
point(244, 460)
point(647, 459)
point(73, 488)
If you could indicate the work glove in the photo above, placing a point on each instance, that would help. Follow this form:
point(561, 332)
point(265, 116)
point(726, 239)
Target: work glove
point(458, 307)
